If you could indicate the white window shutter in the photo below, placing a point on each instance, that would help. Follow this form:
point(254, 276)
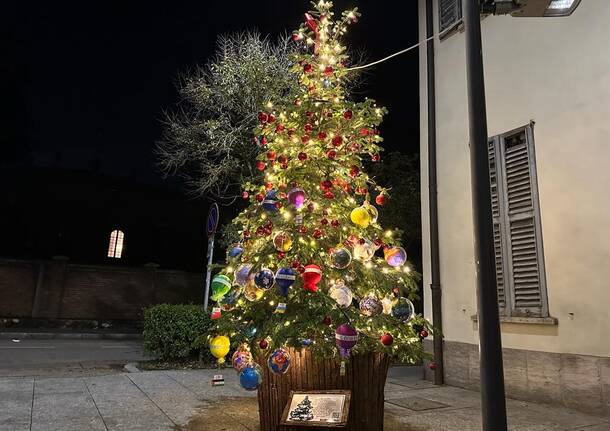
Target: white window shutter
point(523, 261)
point(493, 147)
point(449, 13)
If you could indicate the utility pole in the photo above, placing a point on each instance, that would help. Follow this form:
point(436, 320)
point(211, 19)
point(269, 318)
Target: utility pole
point(493, 402)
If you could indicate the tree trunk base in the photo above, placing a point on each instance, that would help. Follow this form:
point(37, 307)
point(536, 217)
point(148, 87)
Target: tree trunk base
point(365, 376)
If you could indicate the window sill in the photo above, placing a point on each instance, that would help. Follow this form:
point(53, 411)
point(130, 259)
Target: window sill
point(551, 321)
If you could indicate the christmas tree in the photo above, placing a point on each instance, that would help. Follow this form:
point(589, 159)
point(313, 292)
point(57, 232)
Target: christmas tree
point(314, 267)
point(303, 411)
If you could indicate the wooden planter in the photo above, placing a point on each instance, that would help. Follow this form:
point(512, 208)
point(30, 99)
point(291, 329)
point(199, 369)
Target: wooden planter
point(365, 376)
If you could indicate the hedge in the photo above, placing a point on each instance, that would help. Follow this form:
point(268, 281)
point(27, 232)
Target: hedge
point(171, 331)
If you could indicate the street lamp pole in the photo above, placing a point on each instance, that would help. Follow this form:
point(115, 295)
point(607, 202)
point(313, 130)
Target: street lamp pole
point(493, 403)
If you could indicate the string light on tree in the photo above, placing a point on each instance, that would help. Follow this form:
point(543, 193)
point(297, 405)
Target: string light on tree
point(311, 244)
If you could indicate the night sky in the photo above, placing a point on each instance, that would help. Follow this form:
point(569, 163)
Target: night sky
point(85, 84)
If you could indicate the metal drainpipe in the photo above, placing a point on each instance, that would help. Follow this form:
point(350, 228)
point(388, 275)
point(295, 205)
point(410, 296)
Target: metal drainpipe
point(435, 276)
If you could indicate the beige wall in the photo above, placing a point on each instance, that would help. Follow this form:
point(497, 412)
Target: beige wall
point(555, 71)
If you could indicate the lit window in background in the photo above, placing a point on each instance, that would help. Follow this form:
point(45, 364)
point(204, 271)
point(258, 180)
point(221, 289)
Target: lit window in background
point(115, 248)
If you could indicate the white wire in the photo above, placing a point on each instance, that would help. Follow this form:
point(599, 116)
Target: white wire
point(399, 52)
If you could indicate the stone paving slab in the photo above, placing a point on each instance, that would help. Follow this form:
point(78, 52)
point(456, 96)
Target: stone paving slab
point(124, 406)
point(186, 401)
point(16, 403)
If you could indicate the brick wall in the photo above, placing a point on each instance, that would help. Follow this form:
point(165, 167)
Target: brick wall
point(56, 289)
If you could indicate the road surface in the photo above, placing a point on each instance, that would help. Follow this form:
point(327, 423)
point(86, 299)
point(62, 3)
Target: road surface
point(24, 357)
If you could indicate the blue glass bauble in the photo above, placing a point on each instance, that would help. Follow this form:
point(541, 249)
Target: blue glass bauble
point(284, 278)
point(250, 378)
point(270, 201)
point(235, 250)
point(264, 279)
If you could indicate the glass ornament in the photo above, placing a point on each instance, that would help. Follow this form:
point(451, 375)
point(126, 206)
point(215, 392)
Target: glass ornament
point(221, 284)
point(284, 279)
point(365, 251)
point(342, 295)
point(250, 377)
point(242, 274)
point(395, 256)
point(252, 292)
point(361, 217)
point(341, 258)
point(235, 251)
point(241, 358)
point(282, 242)
point(264, 279)
point(219, 347)
point(270, 202)
point(403, 310)
point(279, 361)
point(297, 197)
point(229, 301)
point(370, 306)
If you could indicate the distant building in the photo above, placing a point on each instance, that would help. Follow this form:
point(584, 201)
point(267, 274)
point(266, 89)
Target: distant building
point(548, 106)
point(95, 218)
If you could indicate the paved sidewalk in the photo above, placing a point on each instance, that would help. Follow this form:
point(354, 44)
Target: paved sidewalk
point(185, 400)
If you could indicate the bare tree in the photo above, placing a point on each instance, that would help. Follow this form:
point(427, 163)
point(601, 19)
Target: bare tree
point(208, 136)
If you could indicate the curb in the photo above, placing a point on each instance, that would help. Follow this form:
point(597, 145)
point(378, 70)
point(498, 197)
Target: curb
point(67, 336)
point(131, 367)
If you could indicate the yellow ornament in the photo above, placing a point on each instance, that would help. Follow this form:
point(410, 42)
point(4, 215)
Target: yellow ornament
point(252, 292)
point(361, 216)
point(219, 347)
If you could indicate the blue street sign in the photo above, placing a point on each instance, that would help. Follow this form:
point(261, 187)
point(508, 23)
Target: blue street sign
point(212, 220)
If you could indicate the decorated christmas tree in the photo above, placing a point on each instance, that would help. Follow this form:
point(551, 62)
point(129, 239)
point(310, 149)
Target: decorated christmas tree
point(314, 267)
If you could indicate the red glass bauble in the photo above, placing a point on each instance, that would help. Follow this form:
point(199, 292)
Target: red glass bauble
point(271, 155)
point(324, 221)
point(279, 128)
point(334, 223)
point(271, 118)
point(317, 233)
point(328, 70)
point(337, 140)
point(348, 115)
point(245, 195)
point(375, 157)
point(322, 135)
point(260, 165)
point(263, 117)
point(354, 171)
point(329, 195)
point(305, 139)
point(263, 344)
point(387, 339)
point(302, 156)
point(327, 320)
point(326, 185)
point(423, 333)
point(331, 154)
point(308, 128)
point(260, 197)
point(380, 200)
point(307, 68)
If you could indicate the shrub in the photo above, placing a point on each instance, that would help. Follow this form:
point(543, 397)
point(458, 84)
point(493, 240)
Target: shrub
point(170, 330)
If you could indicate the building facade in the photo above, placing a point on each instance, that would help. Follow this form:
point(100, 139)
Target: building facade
point(548, 110)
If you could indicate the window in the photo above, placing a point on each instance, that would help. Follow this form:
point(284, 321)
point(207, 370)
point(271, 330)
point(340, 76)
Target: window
point(115, 248)
point(449, 14)
point(517, 231)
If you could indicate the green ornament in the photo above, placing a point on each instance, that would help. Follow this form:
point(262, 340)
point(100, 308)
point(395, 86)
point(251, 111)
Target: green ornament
point(221, 284)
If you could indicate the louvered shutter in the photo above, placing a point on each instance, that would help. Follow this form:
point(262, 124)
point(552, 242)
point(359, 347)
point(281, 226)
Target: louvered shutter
point(493, 146)
point(449, 13)
point(523, 222)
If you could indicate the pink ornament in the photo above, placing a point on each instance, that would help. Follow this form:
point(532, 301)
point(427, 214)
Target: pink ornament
point(345, 338)
point(296, 197)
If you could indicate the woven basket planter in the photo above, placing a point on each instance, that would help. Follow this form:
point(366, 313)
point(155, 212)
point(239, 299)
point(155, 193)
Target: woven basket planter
point(365, 376)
